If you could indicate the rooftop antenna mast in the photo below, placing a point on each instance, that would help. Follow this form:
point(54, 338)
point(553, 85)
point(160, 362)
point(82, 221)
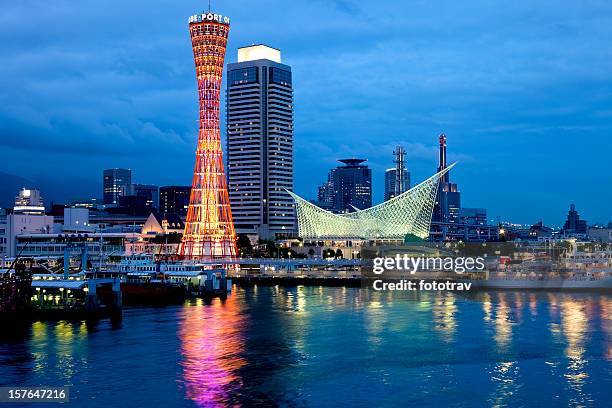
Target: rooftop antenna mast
point(209, 6)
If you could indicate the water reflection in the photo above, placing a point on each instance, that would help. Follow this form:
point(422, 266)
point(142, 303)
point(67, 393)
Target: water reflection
point(211, 345)
point(574, 323)
point(487, 307)
point(533, 305)
point(503, 323)
point(444, 315)
point(605, 306)
point(505, 376)
point(313, 346)
point(58, 346)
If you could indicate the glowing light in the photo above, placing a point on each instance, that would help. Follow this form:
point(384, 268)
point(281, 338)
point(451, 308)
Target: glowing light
point(209, 230)
point(408, 213)
point(257, 52)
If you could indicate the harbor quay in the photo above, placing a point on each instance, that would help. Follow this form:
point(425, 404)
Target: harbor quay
point(72, 286)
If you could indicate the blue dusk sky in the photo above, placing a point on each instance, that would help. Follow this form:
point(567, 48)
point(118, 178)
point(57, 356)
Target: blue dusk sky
point(523, 91)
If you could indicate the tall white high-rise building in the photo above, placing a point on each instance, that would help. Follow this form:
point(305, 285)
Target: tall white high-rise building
point(260, 143)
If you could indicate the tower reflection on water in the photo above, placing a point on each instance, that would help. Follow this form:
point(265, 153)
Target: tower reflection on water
point(319, 345)
point(211, 346)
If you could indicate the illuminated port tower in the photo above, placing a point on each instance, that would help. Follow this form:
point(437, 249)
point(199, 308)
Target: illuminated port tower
point(209, 230)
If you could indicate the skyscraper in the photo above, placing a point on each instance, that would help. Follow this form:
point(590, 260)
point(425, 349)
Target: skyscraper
point(448, 200)
point(174, 199)
point(349, 186)
point(116, 183)
point(397, 180)
point(573, 223)
point(260, 142)
point(209, 230)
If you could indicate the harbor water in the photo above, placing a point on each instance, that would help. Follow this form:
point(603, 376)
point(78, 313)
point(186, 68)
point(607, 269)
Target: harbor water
point(328, 346)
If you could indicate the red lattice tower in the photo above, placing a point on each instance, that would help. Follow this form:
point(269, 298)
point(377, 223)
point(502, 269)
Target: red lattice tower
point(209, 230)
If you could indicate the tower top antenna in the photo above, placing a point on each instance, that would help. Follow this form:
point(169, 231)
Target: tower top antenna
point(209, 6)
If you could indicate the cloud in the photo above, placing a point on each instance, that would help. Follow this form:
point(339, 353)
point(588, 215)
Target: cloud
point(112, 83)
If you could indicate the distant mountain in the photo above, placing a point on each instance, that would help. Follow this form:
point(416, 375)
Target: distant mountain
point(10, 185)
point(57, 190)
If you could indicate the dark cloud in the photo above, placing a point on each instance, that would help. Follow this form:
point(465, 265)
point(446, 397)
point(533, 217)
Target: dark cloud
point(521, 89)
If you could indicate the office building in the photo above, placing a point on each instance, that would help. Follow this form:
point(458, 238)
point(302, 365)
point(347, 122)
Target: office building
point(573, 224)
point(29, 201)
point(348, 187)
point(448, 200)
point(149, 193)
point(174, 199)
point(472, 216)
point(325, 195)
point(260, 142)
point(116, 183)
point(28, 217)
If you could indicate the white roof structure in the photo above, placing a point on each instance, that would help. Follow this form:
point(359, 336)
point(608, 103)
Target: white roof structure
point(408, 213)
point(59, 283)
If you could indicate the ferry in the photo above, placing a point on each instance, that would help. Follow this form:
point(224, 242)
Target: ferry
point(143, 277)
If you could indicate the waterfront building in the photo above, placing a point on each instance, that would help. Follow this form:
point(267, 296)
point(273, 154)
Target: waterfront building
point(472, 216)
point(174, 199)
point(149, 192)
point(209, 229)
point(260, 142)
point(28, 216)
point(448, 200)
point(29, 201)
point(116, 183)
point(601, 234)
point(408, 214)
point(573, 224)
point(76, 220)
point(52, 245)
point(397, 179)
point(463, 231)
point(538, 231)
point(160, 224)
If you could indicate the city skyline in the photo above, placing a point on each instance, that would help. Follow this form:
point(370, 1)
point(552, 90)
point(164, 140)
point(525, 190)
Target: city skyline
point(519, 119)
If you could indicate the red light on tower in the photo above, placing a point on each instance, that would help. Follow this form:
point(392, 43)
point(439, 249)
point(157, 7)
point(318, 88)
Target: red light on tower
point(209, 230)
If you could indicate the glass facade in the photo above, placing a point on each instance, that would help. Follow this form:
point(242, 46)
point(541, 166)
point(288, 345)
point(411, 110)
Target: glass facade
point(244, 76)
point(280, 76)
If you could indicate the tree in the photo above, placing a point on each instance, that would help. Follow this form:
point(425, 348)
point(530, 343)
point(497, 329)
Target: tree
point(244, 244)
point(328, 253)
